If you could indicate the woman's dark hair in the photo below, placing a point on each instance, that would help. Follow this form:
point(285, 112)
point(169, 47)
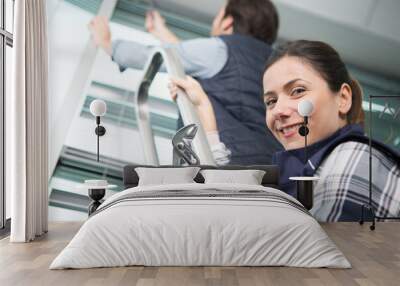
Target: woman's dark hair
point(327, 62)
point(257, 18)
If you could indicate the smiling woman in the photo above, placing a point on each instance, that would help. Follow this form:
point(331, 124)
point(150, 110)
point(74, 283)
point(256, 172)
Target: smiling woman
point(338, 151)
point(311, 70)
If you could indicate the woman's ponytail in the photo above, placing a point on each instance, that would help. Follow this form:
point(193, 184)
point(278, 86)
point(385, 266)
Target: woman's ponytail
point(356, 113)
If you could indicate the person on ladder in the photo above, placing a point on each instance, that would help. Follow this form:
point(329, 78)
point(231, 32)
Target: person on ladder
point(228, 65)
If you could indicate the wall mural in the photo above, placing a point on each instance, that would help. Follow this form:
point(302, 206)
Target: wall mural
point(80, 74)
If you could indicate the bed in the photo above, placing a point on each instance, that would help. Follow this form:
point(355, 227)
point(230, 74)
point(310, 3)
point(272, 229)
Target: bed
point(201, 224)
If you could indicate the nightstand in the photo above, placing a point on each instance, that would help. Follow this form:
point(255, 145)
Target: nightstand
point(305, 192)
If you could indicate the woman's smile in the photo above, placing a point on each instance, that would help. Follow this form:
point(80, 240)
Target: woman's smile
point(289, 130)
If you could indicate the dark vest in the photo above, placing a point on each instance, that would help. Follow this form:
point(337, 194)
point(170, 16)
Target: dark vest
point(236, 95)
point(291, 163)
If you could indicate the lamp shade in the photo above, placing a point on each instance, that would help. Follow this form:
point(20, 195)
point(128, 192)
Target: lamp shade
point(98, 107)
point(305, 107)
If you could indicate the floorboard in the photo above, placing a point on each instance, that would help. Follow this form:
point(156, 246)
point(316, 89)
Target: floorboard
point(374, 255)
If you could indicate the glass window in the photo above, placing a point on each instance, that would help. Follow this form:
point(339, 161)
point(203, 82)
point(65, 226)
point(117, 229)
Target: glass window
point(9, 9)
point(8, 69)
point(2, 44)
point(2, 197)
point(6, 25)
point(1, 13)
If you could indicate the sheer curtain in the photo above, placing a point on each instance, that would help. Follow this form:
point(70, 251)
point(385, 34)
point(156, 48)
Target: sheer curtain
point(26, 129)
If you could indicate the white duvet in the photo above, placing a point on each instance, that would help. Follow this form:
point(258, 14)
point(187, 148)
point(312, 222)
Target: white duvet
point(185, 231)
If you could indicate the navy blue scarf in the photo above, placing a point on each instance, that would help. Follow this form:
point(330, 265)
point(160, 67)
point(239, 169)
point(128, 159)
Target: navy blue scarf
point(291, 163)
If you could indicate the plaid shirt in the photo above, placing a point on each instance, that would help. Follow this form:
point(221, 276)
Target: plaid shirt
point(344, 184)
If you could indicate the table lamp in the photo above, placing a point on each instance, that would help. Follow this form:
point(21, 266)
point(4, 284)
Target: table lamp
point(97, 188)
point(305, 192)
point(305, 108)
point(98, 108)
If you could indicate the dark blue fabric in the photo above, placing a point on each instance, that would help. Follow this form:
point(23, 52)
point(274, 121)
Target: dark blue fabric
point(236, 95)
point(291, 163)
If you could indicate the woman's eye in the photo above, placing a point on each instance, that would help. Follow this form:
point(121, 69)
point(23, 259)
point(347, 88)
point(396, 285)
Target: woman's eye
point(270, 102)
point(298, 91)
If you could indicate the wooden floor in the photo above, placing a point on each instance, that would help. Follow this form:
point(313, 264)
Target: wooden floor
point(375, 257)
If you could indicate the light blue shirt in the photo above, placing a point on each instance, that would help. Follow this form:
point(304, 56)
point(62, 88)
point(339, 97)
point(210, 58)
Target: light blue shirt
point(202, 58)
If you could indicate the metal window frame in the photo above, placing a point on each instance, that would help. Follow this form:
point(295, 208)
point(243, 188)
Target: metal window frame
point(6, 39)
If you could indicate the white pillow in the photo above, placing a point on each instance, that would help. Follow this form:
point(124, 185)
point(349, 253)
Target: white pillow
point(166, 176)
point(248, 177)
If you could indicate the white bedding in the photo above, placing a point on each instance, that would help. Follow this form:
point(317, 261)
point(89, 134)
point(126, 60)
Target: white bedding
point(182, 231)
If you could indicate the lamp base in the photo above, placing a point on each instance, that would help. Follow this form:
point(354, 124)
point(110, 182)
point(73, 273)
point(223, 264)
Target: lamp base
point(303, 130)
point(305, 193)
point(100, 130)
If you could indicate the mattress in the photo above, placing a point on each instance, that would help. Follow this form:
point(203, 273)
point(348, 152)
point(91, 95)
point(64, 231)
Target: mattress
point(201, 225)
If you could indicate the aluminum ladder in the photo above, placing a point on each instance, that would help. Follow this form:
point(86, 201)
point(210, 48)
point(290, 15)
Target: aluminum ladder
point(174, 68)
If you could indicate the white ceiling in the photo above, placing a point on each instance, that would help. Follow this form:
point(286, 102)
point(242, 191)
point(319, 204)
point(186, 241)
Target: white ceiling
point(365, 32)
